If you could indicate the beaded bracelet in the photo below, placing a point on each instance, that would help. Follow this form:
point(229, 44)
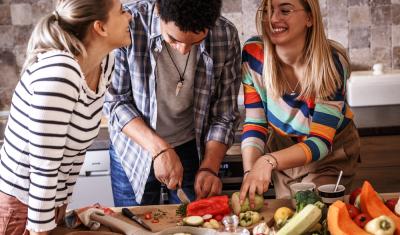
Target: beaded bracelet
point(208, 170)
point(161, 152)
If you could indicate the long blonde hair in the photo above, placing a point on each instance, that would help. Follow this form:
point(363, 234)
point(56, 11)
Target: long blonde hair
point(65, 28)
point(321, 78)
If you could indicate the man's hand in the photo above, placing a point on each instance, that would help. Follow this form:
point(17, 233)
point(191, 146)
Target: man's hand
point(168, 169)
point(206, 185)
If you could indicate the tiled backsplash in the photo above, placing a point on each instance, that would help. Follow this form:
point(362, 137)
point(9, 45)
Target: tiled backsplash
point(370, 29)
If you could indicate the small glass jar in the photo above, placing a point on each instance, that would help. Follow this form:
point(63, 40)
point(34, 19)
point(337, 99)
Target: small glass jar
point(231, 223)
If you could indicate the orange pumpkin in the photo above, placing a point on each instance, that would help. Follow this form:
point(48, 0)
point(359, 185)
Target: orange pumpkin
point(339, 221)
point(373, 205)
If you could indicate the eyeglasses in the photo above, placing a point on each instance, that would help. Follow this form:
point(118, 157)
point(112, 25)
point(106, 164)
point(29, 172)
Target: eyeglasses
point(283, 12)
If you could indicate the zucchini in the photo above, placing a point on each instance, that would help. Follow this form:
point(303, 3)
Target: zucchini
point(193, 220)
point(302, 222)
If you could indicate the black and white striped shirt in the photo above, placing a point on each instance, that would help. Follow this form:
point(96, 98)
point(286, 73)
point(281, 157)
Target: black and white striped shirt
point(53, 119)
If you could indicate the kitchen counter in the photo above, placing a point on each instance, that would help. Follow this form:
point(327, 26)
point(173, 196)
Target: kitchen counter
point(170, 220)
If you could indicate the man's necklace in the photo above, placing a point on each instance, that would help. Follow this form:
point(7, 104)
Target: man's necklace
point(179, 85)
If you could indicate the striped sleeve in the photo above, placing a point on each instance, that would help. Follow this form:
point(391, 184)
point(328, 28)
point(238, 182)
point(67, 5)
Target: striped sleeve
point(255, 123)
point(327, 118)
point(55, 92)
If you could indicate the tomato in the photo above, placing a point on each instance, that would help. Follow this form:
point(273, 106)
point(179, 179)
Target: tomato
point(354, 195)
point(362, 219)
point(147, 215)
point(154, 221)
point(391, 203)
point(353, 211)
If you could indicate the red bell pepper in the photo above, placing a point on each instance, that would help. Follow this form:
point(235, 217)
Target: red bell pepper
point(217, 205)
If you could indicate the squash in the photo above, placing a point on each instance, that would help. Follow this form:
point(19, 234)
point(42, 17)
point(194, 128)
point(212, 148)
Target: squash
point(340, 223)
point(372, 204)
point(302, 222)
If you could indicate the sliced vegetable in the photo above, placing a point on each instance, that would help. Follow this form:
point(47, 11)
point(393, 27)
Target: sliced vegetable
point(381, 225)
point(214, 224)
point(154, 221)
point(194, 220)
point(340, 223)
point(281, 216)
point(397, 208)
point(207, 217)
point(216, 205)
point(249, 218)
point(303, 221)
point(372, 204)
point(147, 215)
point(237, 208)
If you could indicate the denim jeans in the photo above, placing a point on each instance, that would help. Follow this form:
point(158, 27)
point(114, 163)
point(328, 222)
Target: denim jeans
point(122, 190)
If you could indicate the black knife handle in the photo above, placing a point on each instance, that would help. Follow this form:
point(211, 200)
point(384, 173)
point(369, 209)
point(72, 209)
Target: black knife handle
point(127, 213)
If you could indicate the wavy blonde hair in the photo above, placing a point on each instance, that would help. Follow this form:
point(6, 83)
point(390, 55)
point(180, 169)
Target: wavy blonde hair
point(65, 28)
point(321, 78)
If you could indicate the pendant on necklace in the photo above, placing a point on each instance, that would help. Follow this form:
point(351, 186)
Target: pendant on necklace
point(293, 93)
point(179, 86)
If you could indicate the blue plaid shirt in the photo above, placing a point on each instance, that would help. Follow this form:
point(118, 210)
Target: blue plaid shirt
point(132, 93)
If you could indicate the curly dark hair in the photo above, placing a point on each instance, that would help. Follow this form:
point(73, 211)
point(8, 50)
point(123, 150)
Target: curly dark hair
point(190, 15)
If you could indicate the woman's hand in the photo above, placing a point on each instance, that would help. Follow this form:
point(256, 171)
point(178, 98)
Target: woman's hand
point(256, 181)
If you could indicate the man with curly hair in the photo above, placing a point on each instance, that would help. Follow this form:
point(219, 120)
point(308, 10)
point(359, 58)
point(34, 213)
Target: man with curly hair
point(172, 104)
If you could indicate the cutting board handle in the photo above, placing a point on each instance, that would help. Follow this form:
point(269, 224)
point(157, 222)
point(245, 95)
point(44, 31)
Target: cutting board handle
point(117, 224)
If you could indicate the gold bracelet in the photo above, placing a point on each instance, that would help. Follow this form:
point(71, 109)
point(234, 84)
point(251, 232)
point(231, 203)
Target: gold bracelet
point(269, 161)
point(276, 161)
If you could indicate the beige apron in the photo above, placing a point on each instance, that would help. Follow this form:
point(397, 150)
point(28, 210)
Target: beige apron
point(345, 155)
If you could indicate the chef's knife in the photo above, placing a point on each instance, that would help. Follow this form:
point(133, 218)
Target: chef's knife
point(182, 196)
point(126, 212)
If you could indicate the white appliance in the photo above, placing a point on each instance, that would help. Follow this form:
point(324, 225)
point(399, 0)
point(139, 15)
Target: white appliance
point(374, 88)
point(94, 182)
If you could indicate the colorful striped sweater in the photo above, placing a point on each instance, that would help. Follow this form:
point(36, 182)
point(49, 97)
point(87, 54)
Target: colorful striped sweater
point(313, 124)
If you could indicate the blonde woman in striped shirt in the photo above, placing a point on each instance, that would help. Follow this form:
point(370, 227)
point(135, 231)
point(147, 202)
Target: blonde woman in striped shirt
point(298, 127)
point(55, 111)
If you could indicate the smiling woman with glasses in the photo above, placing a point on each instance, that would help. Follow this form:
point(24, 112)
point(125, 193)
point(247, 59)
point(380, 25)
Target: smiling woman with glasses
point(298, 127)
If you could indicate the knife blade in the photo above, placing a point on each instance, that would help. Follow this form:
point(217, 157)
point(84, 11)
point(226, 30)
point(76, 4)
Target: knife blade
point(126, 212)
point(182, 196)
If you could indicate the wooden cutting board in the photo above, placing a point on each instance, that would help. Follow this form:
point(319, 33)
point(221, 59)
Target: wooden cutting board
point(170, 219)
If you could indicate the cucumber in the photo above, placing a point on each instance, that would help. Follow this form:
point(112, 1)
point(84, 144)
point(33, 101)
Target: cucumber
point(193, 220)
point(302, 222)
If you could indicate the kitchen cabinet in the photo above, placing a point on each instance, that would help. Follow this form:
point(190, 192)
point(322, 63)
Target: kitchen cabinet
point(380, 163)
